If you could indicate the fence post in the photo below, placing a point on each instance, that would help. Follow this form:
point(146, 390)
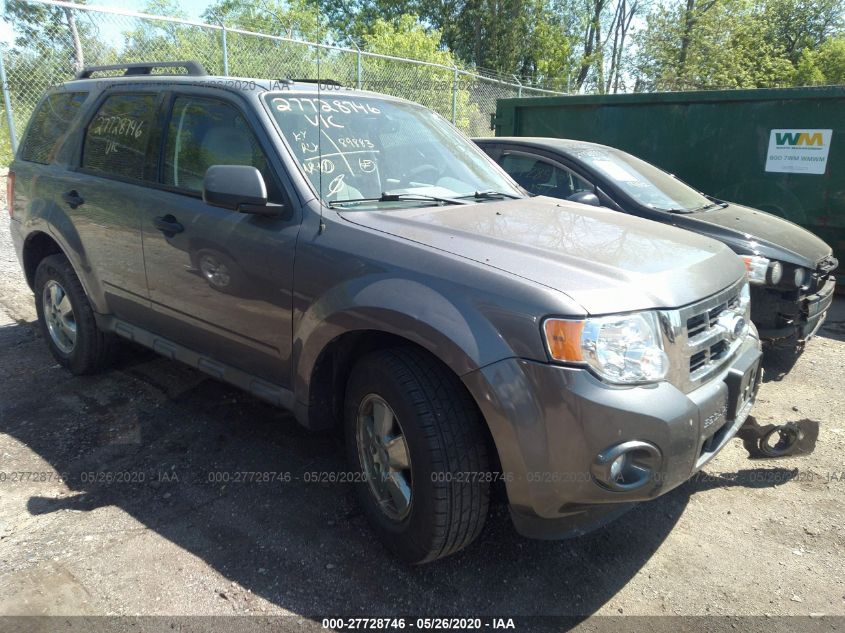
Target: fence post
point(7, 101)
point(225, 53)
point(518, 83)
point(360, 78)
point(455, 96)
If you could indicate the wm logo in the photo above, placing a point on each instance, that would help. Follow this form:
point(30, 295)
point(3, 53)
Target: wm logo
point(795, 139)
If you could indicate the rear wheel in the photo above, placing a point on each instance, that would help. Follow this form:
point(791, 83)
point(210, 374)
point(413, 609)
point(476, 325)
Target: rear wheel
point(414, 437)
point(67, 320)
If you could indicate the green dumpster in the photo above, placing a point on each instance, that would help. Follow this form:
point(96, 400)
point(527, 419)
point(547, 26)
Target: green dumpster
point(781, 150)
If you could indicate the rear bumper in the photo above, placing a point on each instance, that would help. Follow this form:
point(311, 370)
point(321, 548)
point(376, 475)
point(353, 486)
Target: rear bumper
point(554, 426)
point(15, 229)
point(784, 320)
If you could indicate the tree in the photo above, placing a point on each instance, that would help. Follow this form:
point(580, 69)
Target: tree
point(296, 19)
point(49, 28)
point(700, 44)
point(170, 41)
point(794, 26)
point(50, 44)
point(822, 66)
point(626, 11)
point(431, 86)
point(555, 58)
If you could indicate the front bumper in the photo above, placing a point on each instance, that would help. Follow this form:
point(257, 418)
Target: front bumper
point(787, 318)
point(551, 423)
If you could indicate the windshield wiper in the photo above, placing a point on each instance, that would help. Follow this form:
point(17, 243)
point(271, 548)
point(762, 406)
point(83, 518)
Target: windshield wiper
point(490, 194)
point(398, 197)
point(695, 209)
point(709, 206)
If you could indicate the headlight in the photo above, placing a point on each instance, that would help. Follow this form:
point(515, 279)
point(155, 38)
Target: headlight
point(761, 270)
point(745, 296)
point(745, 302)
point(775, 273)
point(800, 276)
point(625, 349)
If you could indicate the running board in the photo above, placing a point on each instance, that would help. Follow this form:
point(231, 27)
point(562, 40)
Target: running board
point(267, 391)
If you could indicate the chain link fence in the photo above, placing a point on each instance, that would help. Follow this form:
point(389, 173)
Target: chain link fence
point(56, 38)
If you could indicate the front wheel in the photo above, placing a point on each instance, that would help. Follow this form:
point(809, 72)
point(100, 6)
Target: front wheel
point(415, 439)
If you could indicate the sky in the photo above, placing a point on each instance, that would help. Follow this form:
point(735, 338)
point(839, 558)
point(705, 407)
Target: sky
point(192, 8)
point(110, 29)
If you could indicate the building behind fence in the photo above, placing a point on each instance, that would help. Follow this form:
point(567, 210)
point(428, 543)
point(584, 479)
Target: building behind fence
point(99, 35)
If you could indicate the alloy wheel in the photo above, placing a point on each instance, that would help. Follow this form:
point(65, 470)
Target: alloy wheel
point(59, 317)
point(384, 456)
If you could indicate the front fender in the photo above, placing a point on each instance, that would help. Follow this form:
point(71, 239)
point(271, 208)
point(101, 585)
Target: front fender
point(458, 334)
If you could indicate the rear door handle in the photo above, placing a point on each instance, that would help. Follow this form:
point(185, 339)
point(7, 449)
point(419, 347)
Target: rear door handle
point(72, 198)
point(168, 225)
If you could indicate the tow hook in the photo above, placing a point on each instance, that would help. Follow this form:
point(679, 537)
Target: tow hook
point(778, 440)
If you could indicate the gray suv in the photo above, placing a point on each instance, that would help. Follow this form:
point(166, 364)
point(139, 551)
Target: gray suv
point(354, 258)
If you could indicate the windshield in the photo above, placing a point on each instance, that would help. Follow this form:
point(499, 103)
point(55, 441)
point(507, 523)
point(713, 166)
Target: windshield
point(358, 148)
point(645, 183)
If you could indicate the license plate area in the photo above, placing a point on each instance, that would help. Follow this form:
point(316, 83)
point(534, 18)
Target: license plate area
point(742, 388)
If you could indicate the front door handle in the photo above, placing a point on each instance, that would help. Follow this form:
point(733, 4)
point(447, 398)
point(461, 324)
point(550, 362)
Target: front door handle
point(168, 225)
point(72, 198)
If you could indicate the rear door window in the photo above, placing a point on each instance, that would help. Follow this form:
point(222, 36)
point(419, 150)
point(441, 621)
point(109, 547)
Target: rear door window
point(117, 138)
point(49, 125)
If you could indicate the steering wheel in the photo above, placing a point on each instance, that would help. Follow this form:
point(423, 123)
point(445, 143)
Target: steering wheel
point(416, 172)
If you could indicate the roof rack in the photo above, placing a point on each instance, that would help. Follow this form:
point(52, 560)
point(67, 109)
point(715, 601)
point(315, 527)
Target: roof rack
point(144, 68)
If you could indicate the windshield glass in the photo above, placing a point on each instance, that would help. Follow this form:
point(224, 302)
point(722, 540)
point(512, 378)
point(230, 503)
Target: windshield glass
point(645, 183)
point(358, 148)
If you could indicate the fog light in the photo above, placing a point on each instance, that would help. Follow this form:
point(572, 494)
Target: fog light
point(626, 466)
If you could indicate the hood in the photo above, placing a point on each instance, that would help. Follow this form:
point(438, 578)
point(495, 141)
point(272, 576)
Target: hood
point(604, 260)
point(753, 231)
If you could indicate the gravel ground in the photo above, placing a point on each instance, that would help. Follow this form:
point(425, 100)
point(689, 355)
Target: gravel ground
point(747, 538)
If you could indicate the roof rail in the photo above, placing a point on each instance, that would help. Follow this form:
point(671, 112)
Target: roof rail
point(144, 68)
point(325, 82)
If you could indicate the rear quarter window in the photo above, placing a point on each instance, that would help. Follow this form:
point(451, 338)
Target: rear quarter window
point(49, 125)
point(117, 138)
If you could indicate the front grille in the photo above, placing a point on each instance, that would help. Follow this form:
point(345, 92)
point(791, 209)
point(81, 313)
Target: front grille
point(697, 361)
point(699, 345)
point(701, 333)
point(701, 322)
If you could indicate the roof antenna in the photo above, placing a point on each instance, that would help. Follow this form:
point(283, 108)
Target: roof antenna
point(320, 141)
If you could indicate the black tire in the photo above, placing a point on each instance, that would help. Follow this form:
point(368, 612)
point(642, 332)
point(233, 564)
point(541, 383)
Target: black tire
point(448, 453)
point(92, 349)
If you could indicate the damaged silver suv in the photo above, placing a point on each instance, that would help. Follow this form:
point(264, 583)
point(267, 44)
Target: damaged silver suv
point(354, 258)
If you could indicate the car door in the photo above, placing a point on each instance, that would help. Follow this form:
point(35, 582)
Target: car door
point(220, 281)
point(105, 195)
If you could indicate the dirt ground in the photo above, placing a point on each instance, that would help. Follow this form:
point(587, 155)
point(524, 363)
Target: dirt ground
point(126, 512)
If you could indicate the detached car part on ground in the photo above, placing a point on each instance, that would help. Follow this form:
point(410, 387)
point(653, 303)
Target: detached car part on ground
point(790, 269)
point(459, 332)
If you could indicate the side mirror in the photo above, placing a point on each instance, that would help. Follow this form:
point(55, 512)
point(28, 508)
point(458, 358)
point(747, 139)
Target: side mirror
point(585, 197)
point(239, 188)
